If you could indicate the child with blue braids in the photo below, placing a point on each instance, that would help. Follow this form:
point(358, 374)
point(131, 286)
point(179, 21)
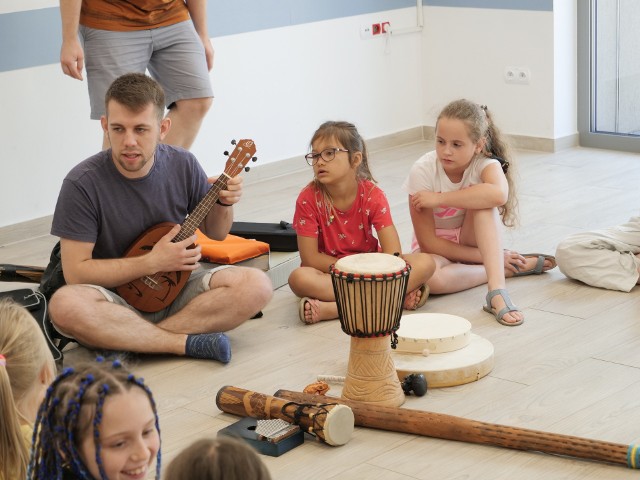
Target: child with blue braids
point(99, 422)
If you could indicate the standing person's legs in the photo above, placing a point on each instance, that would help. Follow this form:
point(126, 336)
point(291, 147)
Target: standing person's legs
point(607, 258)
point(109, 55)
point(179, 64)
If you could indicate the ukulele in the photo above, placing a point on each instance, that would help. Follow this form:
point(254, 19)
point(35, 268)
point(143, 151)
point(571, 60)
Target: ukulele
point(152, 293)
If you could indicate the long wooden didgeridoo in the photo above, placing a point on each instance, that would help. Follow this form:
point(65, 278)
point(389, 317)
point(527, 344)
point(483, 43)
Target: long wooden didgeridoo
point(438, 425)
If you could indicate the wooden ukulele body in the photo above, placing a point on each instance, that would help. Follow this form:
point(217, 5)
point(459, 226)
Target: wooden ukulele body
point(152, 293)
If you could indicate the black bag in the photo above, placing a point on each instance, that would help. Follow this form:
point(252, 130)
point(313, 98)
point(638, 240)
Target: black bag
point(52, 278)
point(281, 237)
point(36, 303)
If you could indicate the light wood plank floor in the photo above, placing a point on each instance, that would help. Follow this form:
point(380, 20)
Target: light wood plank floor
point(572, 368)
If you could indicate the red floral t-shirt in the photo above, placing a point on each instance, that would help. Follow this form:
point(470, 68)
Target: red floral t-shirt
point(341, 233)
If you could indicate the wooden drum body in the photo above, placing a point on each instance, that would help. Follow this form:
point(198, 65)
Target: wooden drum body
point(370, 290)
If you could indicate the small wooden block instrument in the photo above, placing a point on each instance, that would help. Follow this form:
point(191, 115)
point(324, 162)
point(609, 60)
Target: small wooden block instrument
point(152, 293)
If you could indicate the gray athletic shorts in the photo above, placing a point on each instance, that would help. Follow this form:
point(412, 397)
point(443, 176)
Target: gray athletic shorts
point(198, 283)
point(174, 56)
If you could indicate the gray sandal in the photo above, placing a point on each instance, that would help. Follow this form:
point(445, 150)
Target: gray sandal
point(538, 269)
point(510, 307)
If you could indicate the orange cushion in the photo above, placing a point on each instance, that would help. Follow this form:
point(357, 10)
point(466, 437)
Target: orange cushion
point(231, 250)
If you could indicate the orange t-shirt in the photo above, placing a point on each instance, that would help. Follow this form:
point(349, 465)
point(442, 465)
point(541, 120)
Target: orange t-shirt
point(126, 15)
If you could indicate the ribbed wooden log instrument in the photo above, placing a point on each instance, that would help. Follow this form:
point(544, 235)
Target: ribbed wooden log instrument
point(449, 427)
point(331, 423)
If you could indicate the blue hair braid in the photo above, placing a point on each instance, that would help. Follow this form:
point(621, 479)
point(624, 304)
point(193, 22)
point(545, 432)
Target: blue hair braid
point(97, 420)
point(140, 383)
point(71, 423)
point(41, 465)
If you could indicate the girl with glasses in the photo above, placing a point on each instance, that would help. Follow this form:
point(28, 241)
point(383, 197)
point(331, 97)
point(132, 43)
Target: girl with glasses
point(335, 216)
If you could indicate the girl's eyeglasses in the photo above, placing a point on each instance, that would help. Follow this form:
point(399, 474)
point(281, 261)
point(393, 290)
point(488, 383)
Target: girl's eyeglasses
point(327, 155)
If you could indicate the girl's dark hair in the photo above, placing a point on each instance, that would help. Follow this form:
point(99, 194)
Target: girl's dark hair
point(71, 410)
point(346, 134)
point(222, 458)
point(480, 126)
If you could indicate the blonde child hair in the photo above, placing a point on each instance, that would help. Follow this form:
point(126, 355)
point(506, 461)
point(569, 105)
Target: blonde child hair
point(480, 126)
point(25, 358)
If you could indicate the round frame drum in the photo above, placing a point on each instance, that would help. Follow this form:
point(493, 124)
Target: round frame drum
point(442, 348)
point(426, 333)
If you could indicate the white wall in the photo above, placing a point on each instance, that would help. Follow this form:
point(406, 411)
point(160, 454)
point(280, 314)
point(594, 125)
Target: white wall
point(466, 51)
point(565, 65)
point(276, 86)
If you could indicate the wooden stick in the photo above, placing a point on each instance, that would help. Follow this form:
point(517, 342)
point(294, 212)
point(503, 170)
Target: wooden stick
point(20, 273)
point(449, 427)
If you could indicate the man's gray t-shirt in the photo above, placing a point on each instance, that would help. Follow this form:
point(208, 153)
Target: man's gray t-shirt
point(97, 204)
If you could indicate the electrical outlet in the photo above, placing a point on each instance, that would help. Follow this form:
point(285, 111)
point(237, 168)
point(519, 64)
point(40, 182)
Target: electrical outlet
point(523, 75)
point(520, 75)
point(366, 32)
point(510, 74)
point(376, 29)
point(385, 27)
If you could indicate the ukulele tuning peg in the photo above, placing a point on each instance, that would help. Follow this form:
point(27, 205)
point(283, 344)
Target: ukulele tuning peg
point(226, 153)
point(254, 159)
point(233, 142)
point(246, 169)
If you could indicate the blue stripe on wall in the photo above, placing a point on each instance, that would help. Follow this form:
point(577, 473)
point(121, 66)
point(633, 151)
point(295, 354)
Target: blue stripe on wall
point(535, 5)
point(33, 38)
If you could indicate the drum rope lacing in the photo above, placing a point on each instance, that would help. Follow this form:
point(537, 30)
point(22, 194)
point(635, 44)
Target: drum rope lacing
point(299, 412)
point(390, 295)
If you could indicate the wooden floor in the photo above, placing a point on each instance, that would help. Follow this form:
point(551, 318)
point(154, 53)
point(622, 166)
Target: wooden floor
point(572, 368)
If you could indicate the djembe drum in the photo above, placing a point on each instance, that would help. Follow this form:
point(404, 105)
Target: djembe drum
point(370, 290)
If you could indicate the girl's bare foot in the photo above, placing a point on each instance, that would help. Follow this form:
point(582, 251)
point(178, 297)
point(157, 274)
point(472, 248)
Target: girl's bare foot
point(313, 310)
point(416, 298)
point(529, 266)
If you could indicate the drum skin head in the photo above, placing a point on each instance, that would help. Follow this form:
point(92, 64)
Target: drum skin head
point(338, 426)
point(425, 333)
point(370, 263)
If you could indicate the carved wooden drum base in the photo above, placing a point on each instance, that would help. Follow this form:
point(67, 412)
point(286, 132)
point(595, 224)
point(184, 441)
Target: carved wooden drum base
point(371, 374)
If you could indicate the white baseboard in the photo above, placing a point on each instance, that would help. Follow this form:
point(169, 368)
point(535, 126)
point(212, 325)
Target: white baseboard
point(523, 142)
point(41, 226)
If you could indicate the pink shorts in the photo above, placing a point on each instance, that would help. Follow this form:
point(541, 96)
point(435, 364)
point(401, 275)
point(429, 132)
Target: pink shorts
point(451, 234)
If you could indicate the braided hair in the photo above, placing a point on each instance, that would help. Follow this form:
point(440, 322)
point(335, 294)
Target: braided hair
point(72, 408)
